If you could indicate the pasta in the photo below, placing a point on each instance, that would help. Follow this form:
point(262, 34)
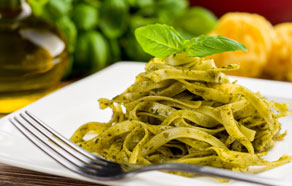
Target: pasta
point(255, 32)
point(279, 66)
point(187, 113)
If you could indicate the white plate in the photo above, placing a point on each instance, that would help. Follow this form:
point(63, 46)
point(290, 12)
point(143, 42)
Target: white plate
point(65, 110)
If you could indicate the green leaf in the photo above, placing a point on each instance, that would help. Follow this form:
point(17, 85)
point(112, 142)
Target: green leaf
point(114, 17)
point(93, 3)
point(99, 51)
point(159, 40)
point(145, 8)
point(85, 16)
point(138, 21)
point(92, 52)
point(132, 2)
point(196, 21)
point(82, 53)
point(115, 50)
point(68, 28)
point(132, 49)
point(144, 3)
point(170, 8)
point(58, 8)
point(208, 45)
point(37, 6)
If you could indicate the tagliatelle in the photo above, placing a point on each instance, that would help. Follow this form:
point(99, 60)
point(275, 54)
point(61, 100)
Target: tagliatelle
point(187, 113)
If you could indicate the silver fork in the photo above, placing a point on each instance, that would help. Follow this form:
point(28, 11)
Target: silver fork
point(86, 164)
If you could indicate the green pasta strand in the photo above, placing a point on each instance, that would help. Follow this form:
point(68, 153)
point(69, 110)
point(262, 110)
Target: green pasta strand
point(187, 112)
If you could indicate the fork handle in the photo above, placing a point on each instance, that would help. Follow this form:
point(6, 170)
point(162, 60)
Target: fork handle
point(212, 171)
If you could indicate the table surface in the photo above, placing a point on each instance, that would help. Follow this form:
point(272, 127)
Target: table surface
point(14, 176)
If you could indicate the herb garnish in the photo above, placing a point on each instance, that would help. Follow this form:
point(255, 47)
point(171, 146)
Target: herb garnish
point(160, 40)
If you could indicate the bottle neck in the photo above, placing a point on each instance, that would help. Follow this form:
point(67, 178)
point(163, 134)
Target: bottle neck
point(12, 8)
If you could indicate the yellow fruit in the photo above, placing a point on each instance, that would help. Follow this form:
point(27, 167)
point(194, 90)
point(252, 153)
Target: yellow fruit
point(255, 32)
point(279, 66)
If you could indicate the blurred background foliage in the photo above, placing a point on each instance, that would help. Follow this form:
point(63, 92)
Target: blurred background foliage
point(101, 32)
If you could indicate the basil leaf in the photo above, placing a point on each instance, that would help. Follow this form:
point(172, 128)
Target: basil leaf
point(57, 8)
point(85, 16)
point(145, 8)
point(159, 40)
point(196, 21)
point(82, 54)
point(167, 9)
point(114, 17)
point(132, 49)
point(92, 52)
point(68, 28)
point(100, 52)
point(93, 3)
point(137, 21)
point(208, 45)
point(37, 6)
point(144, 3)
point(115, 50)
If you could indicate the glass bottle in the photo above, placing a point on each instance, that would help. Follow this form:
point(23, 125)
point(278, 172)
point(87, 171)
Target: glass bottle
point(33, 56)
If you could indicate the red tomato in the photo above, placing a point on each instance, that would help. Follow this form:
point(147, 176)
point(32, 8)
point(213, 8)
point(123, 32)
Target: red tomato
point(276, 11)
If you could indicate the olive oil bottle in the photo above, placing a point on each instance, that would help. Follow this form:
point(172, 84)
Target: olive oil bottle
point(33, 56)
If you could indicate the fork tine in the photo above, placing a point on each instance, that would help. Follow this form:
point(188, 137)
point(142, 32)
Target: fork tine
point(60, 155)
point(64, 140)
point(65, 143)
point(39, 143)
point(60, 143)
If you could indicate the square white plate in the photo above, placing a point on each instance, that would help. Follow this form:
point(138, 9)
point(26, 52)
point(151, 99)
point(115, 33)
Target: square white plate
point(68, 108)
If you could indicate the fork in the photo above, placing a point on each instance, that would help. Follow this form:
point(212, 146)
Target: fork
point(86, 164)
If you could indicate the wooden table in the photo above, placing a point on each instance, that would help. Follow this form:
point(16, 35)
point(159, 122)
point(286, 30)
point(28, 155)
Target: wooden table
point(14, 176)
